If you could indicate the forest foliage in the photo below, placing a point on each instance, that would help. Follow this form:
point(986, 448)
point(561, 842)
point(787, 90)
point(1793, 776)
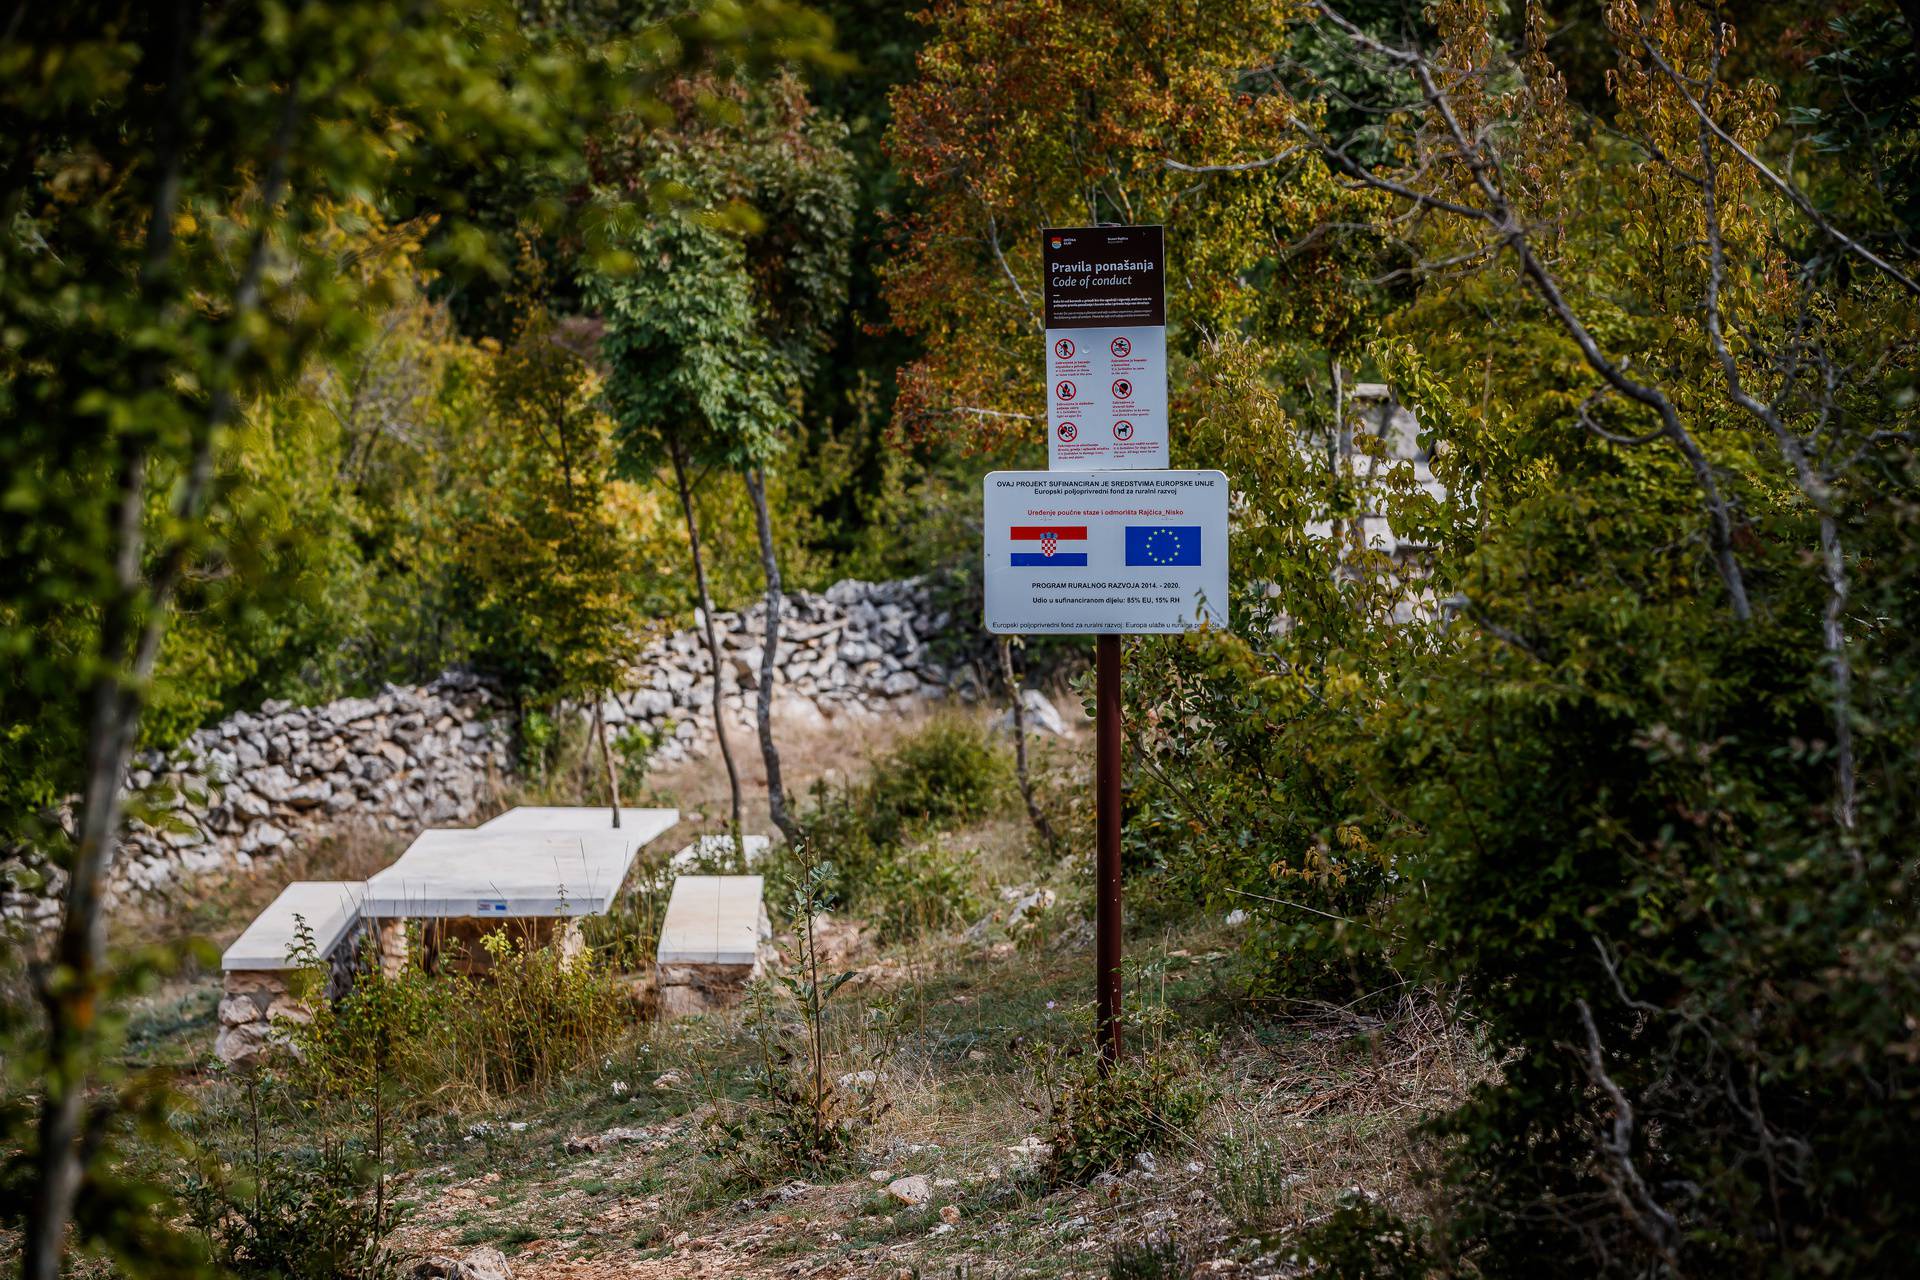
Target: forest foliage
point(1624, 766)
point(337, 349)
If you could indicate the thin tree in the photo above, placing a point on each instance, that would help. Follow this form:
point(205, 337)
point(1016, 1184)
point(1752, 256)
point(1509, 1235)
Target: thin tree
point(756, 478)
point(677, 452)
point(714, 376)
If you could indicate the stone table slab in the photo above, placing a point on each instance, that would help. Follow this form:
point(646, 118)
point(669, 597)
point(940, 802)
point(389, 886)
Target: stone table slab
point(504, 874)
point(644, 825)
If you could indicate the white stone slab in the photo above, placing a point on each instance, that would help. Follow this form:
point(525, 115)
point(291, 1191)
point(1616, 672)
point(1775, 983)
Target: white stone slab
point(707, 848)
point(643, 825)
point(329, 908)
point(461, 872)
point(713, 920)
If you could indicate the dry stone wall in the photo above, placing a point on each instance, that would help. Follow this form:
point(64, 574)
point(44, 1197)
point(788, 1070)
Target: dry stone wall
point(252, 788)
point(260, 784)
point(856, 649)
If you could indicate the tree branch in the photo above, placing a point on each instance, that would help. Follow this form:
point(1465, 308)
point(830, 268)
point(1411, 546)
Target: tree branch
point(1786, 189)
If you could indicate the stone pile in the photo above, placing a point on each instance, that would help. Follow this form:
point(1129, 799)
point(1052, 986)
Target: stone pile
point(857, 649)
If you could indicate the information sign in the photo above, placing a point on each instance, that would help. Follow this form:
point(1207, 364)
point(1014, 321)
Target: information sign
point(1106, 313)
point(1118, 552)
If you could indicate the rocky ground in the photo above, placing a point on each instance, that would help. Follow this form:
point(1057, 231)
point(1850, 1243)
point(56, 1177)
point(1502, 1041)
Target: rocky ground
point(966, 1037)
point(616, 1180)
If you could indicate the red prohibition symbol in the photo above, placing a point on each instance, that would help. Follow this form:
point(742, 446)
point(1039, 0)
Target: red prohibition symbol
point(1120, 347)
point(1064, 348)
point(1066, 390)
point(1122, 389)
point(1123, 430)
point(1066, 431)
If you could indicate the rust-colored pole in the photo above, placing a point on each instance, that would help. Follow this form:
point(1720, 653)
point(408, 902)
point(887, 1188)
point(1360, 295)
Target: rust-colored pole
point(1106, 783)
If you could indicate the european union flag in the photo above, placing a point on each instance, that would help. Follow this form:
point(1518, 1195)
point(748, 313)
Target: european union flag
point(1151, 545)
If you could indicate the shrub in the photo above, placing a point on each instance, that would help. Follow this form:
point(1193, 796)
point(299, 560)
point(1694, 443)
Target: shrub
point(291, 1218)
point(800, 1116)
point(947, 773)
point(1362, 1240)
point(1103, 1120)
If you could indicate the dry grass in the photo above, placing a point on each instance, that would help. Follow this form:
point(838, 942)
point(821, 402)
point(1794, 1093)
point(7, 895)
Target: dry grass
point(1305, 1106)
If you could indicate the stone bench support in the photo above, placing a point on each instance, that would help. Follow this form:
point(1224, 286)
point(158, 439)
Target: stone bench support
point(258, 969)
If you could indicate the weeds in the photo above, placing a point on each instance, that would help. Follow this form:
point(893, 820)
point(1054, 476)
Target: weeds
point(531, 1016)
point(921, 890)
point(535, 1016)
point(286, 1218)
point(1102, 1121)
point(1155, 1258)
point(1252, 1177)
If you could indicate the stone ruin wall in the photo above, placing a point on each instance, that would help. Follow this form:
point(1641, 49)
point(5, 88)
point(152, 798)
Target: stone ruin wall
point(258, 785)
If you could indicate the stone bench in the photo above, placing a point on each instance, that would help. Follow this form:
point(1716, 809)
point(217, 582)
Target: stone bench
point(257, 968)
point(713, 941)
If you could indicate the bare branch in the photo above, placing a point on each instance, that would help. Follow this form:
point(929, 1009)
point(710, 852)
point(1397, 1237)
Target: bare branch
point(1647, 1216)
point(990, 413)
point(993, 238)
point(1243, 166)
point(1374, 180)
point(1814, 486)
point(1585, 414)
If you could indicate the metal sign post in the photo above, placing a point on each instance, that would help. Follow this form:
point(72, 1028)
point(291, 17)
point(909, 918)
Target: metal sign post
point(1107, 924)
point(1105, 553)
point(1105, 543)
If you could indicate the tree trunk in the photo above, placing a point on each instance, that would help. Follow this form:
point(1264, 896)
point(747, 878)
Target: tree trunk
point(770, 566)
point(606, 756)
point(133, 621)
point(1034, 814)
point(713, 646)
point(72, 988)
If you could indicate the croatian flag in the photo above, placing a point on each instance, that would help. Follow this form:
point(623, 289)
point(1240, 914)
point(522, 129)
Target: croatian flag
point(1158, 544)
point(1049, 537)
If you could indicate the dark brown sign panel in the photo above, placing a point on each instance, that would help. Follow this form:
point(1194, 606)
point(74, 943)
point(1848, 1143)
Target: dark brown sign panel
point(1104, 277)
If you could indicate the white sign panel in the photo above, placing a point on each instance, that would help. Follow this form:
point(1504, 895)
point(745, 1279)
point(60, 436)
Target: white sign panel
point(1107, 398)
point(1107, 551)
point(1106, 318)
